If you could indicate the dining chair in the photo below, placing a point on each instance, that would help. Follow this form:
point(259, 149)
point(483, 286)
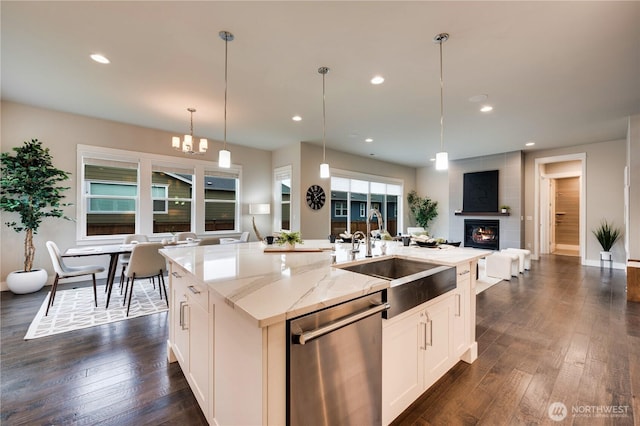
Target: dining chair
point(209, 241)
point(64, 271)
point(145, 262)
point(183, 236)
point(123, 259)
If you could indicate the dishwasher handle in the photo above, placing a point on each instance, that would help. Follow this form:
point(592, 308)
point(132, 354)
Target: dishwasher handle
point(308, 336)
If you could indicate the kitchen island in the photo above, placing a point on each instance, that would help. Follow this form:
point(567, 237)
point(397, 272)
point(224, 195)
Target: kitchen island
point(229, 305)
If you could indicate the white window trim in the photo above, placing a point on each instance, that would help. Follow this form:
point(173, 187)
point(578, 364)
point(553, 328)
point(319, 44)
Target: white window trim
point(144, 206)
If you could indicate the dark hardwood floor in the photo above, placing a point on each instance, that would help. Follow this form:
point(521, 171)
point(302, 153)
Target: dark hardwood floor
point(560, 333)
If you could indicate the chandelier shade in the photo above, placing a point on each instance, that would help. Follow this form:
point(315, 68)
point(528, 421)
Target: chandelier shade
point(186, 144)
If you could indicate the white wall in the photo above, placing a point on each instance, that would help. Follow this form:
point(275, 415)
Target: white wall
point(605, 162)
point(434, 184)
point(633, 164)
point(62, 132)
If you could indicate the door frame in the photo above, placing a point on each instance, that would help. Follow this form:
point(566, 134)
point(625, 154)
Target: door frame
point(541, 201)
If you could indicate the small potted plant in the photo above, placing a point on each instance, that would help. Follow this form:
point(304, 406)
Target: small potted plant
point(607, 235)
point(29, 187)
point(423, 209)
point(289, 239)
point(504, 209)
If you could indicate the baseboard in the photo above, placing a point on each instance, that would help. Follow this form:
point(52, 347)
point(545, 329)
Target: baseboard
point(597, 263)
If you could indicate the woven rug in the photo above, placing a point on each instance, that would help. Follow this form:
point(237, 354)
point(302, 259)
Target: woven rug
point(484, 282)
point(74, 308)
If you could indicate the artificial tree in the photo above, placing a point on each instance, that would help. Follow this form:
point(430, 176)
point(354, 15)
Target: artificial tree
point(30, 188)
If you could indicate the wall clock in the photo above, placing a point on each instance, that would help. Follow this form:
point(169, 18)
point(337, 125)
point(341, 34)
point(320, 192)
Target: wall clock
point(316, 197)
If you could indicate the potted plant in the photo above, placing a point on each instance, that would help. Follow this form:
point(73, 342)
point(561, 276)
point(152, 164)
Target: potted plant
point(289, 239)
point(29, 187)
point(423, 209)
point(504, 209)
point(607, 235)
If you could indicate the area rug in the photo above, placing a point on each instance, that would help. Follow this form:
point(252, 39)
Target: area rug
point(484, 282)
point(74, 309)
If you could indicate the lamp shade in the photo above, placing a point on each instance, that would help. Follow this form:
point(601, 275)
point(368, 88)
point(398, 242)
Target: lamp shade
point(224, 158)
point(204, 145)
point(442, 161)
point(259, 208)
point(324, 171)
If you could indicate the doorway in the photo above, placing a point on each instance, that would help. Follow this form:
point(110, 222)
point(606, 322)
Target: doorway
point(560, 206)
point(565, 224)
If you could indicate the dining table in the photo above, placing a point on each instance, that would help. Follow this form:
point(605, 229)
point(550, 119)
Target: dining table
point(113, 251)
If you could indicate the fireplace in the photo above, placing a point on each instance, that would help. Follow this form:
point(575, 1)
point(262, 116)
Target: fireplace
point(484, 234)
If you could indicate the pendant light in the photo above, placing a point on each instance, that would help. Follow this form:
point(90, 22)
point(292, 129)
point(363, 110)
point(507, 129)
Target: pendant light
point(442, 157)
point(186, 145)
point(224, 156)
point(324, 167)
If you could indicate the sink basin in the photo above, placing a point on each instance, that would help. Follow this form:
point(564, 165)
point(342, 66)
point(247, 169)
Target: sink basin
point(412, 282)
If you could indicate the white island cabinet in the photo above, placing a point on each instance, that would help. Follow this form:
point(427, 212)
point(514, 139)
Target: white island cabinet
point(228, 310)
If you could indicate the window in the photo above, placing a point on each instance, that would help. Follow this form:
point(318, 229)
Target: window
point(360, 195)
point(282, 197)
point(125, 192)
point(340, 209)
point(220, 196)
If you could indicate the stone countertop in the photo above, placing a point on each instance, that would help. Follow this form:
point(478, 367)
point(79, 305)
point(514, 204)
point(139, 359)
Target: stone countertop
point(270, 287)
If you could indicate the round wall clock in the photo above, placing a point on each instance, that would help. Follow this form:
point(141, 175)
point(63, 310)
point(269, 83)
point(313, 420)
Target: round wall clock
point(316, 197)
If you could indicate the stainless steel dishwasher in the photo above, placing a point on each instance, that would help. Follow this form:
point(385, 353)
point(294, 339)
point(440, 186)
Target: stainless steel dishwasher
point(334, 362)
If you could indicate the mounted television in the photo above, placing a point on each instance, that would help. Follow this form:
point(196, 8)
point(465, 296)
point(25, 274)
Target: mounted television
point(480, 192)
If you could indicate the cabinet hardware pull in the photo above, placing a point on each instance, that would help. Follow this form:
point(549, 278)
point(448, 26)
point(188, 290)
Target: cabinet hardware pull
point(464, 273)
point(182, 304)
point(193, 290)
point(177, 275)
point(430, 342)
point(307, 336)
point(457, 305)
point(423, 335)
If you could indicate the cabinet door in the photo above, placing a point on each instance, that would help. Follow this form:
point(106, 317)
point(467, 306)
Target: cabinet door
point(199, 364)
point(438, 339)
point(460, 321)
point(180, 320)
point(402, 364)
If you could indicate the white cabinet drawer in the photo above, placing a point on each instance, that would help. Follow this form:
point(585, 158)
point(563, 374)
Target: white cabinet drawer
point(197, 292)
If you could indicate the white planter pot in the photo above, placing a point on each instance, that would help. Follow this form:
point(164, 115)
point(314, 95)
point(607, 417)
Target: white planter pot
point(20, 282)
point(605, 255)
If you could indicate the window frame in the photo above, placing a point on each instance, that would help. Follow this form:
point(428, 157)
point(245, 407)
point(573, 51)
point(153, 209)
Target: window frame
point(87, 154)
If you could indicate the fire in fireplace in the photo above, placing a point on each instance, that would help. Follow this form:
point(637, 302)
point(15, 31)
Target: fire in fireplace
point(483, 234)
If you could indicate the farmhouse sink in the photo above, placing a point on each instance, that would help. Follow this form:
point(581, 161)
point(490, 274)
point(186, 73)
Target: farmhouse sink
point(412, 282)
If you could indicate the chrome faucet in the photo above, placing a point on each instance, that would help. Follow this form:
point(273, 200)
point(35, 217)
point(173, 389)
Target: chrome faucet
point(355, 249)
point(372, 212)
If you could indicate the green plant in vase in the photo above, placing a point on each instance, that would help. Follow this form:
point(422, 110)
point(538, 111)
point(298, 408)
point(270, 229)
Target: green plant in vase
point(289, 239)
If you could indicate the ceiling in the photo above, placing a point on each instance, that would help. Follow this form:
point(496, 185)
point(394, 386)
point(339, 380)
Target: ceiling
point(557, 73)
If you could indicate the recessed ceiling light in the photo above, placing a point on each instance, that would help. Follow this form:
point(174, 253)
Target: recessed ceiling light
point(378, 79)
point(531, 143)
point(478, 98)
point(368, 140)
point(486, 108)
point(296, 118)
point(100, 58)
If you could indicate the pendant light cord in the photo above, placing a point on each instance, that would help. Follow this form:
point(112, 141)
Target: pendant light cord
point(324, 121)
point(441, 102)
point(226, 42)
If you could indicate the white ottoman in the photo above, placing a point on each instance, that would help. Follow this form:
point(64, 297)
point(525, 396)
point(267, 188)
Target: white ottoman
point(527, 256)
point(502, 265)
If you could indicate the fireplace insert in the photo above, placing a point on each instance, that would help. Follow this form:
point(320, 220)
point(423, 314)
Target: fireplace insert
point(484, 234)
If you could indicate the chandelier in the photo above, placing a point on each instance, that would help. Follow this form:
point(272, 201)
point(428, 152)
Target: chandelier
point(186, 145)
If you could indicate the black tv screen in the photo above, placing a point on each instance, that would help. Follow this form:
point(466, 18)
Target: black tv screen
point(480, 192)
